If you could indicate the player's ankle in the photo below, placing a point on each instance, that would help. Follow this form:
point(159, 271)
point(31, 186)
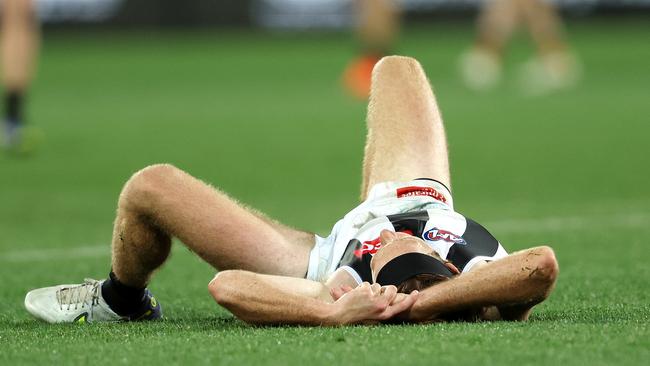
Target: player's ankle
point(123, 299)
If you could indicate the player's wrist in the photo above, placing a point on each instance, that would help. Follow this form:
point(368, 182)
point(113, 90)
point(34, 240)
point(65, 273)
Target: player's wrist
point(331, 315)
point(421, 311)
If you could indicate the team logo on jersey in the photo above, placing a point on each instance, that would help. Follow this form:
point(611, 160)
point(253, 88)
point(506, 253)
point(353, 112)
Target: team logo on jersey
point(420, 191)
point(369, 246)
point(436, 234)
point(372, 246)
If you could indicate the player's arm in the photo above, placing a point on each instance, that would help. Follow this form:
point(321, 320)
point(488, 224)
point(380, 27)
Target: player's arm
point(516, 283)
point(264, 299)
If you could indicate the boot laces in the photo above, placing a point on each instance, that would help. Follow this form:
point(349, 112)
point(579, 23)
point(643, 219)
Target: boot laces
point(79, 296)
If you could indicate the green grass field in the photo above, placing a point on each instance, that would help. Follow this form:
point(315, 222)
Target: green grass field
point(264, 118)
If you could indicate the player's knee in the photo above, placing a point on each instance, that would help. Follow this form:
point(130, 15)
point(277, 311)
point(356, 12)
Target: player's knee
point(396, 65)
point(546, 266)
point(146, 186)
point(157, 173)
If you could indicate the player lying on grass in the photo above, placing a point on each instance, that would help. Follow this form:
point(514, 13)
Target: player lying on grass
point(403, 253)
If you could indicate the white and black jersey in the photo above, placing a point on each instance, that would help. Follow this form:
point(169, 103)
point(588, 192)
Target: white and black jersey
point(423, 208)
point(454, 237)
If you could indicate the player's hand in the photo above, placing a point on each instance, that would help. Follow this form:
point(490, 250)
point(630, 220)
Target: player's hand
point(399, 298)
point(368, 304)
point(337, 292)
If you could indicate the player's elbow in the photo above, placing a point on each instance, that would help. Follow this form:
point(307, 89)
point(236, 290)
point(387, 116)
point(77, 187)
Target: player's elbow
point(226, 289)
point(221, 289)
point(547, 264)
point(545, 269)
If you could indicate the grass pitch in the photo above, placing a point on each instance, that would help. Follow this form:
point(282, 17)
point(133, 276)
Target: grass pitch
point(264, 118)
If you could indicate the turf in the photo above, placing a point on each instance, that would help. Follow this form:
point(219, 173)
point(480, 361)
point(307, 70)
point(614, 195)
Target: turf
point(263, 117)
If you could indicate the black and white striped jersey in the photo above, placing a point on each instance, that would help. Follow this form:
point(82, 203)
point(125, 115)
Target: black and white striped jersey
point(458, 239)
point(421, 207)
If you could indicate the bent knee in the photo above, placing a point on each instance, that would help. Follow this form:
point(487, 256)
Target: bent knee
point(396, 62)
point(147, 185)
point(391, 65)
point(155, 174)
point(399, 77)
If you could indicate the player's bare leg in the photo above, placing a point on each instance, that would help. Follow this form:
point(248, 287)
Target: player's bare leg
point(481, 65)
point(376, 29)
point(162, 201)
point(555, 66)
point(544, 25)
point(19, 37)
point(496, 24)
point(406, 137)
point(156, 204)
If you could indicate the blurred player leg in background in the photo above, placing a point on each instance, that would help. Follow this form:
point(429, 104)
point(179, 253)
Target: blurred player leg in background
point(481, 65)
point(20, 39)
point(376, 28)
point(554, 67)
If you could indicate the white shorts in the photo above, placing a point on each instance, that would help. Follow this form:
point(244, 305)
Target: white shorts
point(388, 198)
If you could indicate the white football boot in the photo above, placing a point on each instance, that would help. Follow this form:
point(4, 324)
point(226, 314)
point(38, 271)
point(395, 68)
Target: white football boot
point(549, 73)
point(71, 303)
point(481, 70)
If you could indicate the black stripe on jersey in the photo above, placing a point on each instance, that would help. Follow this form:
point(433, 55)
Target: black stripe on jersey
point(361, 265)
point(437, 181)
point(479, 243)
point(413, 221)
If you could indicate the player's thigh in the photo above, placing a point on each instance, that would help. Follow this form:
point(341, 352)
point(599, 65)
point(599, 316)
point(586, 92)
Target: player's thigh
point(406, 137)
point(219, 229)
